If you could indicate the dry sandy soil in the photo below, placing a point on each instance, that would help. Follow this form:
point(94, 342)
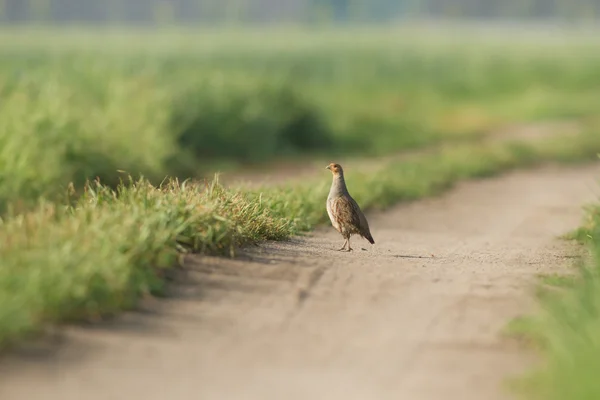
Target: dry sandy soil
point(418, 316)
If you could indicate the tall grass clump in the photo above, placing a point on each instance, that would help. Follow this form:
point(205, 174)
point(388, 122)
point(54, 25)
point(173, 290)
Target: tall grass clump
point(66, 125)
point(99, 255)
point(247, 121)
point(72, 121)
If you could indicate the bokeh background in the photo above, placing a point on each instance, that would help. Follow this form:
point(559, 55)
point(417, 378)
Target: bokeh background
point(214, 12)
point(189, 87)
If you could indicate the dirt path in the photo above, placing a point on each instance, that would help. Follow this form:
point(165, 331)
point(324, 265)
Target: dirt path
point(299, 321)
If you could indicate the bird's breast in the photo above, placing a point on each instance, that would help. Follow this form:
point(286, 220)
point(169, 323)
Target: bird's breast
point(330, 213)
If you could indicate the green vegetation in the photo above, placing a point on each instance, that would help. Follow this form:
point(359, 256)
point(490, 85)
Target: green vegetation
point(567, 331)
point(177, 104)
point(79, 104)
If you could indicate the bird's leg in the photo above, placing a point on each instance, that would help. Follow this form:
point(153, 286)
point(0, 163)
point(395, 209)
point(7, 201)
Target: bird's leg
point(349, 248)
point(344, 246)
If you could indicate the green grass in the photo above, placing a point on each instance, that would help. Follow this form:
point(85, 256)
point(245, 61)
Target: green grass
point(81, 104)
point(567, 330)
point(179, 103)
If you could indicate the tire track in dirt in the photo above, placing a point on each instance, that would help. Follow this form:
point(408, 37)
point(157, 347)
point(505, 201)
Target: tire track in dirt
point(298, 320)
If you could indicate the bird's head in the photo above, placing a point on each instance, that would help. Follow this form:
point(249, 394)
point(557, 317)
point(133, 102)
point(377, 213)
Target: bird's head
point(336, 169)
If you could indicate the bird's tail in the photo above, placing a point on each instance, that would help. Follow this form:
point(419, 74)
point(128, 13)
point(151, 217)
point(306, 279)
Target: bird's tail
point(369, 238)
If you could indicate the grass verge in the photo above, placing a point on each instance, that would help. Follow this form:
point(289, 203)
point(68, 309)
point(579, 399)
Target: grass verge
point(108, 248)
point(567, 330)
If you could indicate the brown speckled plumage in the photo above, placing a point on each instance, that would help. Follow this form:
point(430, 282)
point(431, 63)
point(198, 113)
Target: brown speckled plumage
point(344, 213)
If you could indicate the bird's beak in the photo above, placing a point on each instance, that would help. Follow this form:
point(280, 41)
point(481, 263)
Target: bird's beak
point(328, 167)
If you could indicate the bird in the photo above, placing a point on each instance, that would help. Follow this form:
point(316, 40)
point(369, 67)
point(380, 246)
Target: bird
point(344, 213)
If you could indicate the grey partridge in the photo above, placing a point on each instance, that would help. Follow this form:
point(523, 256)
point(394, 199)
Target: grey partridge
point(344, 213)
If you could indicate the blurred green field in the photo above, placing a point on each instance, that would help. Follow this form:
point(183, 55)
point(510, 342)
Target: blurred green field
point(81, 104)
